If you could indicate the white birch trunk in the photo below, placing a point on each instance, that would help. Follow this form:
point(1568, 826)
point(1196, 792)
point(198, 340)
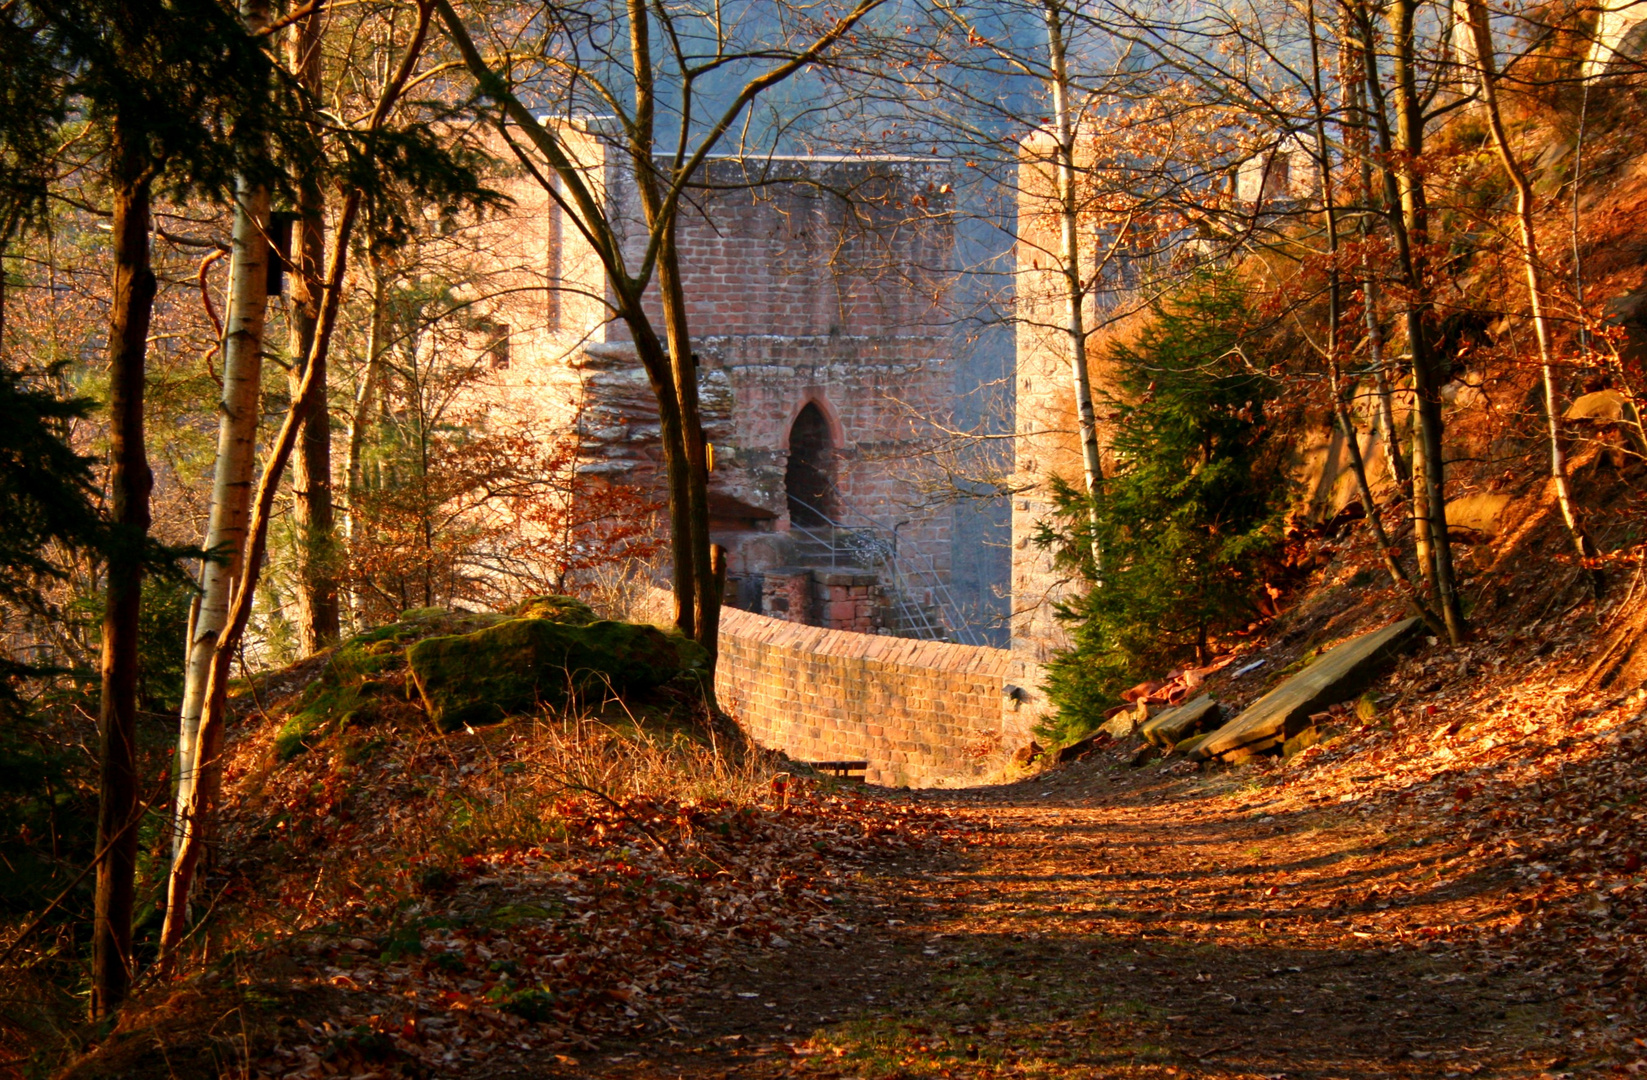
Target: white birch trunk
point(236, 448)
point(1069, 259)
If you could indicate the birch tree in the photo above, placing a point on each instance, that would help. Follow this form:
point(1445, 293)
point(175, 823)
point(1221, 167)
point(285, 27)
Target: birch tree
point(238, 415)
point(1486, 61)
point(172, 91)
point(368, 156)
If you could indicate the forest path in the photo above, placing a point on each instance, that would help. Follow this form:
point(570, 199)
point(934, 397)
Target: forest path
point(1131, 923)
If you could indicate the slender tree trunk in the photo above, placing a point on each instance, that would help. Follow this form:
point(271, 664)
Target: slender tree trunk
point(1487, 64)
point(676, 465)
point(317, 593)
point(360, 419)
point(689, 504)
point(130, 481)
point(1069, 265)
point(1358, 136)
point(706, 599)
point(238, 415)
point(1387, 434)
point(1411, 228)
point(203, 799)
point(1352, 438)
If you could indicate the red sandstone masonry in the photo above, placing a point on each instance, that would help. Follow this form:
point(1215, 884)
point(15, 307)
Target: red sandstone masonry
point(921, 713)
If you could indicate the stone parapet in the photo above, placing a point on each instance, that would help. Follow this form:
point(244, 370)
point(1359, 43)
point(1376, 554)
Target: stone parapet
point(922, 713)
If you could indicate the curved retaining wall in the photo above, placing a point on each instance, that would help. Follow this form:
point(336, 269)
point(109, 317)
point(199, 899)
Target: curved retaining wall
point(922, 713)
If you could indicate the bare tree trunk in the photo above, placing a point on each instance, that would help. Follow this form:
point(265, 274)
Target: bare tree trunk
point(699, 610)
point(1487, 63)
point(360, 418)
point(1329, 213)
point(238, 415)
point(203, 799)
point(130, 481)
point(1369, 293)
point(316, 594)
point(1404, 188)
point(1069, 265)
point(706, 599)
point(676, 466)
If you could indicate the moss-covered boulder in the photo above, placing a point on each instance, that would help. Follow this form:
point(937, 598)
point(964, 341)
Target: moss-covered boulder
point(363, 680)
point(561, 609)
point(510, 668)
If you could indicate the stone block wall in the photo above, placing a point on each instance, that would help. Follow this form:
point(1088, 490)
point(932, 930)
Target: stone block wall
point(835, 599)
point(922, 713)
point(786, 594)
point(847, 600)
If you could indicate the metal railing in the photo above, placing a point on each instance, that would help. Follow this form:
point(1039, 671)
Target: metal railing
point(852, 538)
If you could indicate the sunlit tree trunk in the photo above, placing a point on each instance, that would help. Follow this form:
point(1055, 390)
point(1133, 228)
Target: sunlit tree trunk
point(1401, 160)
point(1352, 437)
point(316, 588)
point(360, 420)
point(130, 481)
point(1359, 138)
point(689, 497)
point(1487, 66)
point(197, 811)
point(1069, 260)
point(237, 420)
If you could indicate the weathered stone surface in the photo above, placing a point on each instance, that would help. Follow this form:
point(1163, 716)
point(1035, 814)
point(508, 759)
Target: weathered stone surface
point(1480, 514)
point(1301, 741)
point(1175, 725)
point(1341, 674)
point(1121, 726)
point(920, 712)
point(1602, 405)
point(512, 667)
point(561, 609)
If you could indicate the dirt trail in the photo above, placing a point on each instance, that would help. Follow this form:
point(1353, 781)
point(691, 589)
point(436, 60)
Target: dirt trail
point(1129, 923)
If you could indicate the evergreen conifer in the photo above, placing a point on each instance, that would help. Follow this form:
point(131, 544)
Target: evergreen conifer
point(1190, 512)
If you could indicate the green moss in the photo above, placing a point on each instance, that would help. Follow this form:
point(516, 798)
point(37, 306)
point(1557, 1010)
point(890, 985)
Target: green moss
point(561, 609)
point(514, 666)
point(363, 671)
point(478, 668)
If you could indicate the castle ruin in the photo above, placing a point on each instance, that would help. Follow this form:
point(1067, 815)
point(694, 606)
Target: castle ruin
point(815, 295)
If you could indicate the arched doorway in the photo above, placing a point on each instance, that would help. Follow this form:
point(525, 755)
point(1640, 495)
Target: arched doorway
point(809, 478)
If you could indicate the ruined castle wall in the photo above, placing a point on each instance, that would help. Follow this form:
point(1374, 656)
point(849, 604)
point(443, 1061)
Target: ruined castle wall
point(793, 295)
point(922, 713)
point(872, 389)
point(1048, 442)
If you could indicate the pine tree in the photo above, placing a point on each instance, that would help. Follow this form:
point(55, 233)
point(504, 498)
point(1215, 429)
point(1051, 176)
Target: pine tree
point(1191, 510)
